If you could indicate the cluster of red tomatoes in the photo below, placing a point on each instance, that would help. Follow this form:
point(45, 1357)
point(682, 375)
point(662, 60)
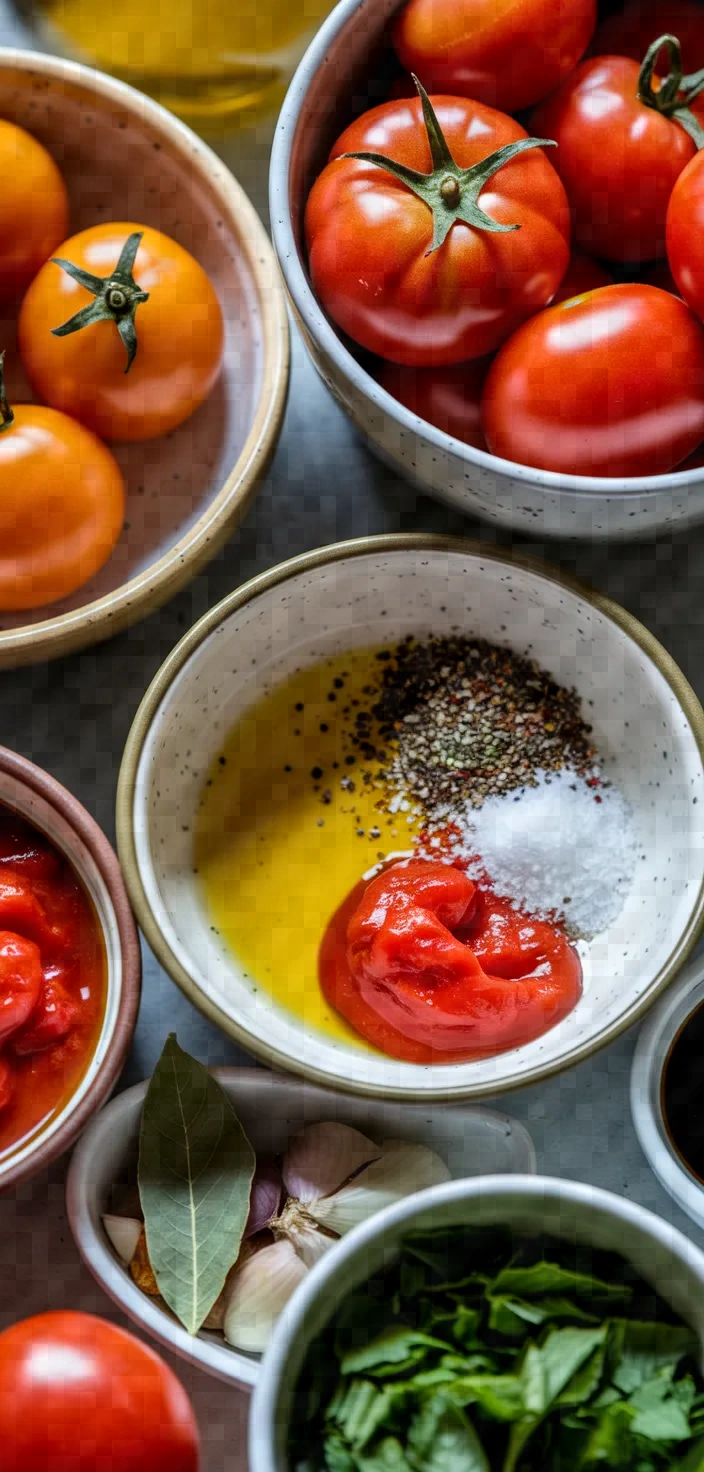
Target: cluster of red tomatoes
point(476, 257)
point(121, 338)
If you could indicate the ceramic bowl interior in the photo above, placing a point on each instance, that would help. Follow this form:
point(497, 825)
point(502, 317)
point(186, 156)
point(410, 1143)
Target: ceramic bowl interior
point(72, 832)
point(647, 726)
point(563, 1209)
point(125, 158)
point(272, 1110)
point(654, 1044)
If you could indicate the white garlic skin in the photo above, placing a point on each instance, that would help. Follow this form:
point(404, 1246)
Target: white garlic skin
point(400, 1171)
point(322, 1157)
point(123, 1233)
point(259, 1292)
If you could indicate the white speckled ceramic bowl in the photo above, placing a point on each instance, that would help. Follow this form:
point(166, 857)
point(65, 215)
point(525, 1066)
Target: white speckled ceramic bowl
point(648, 726)
point(272, 1110)
point(666, 1260)
point(655, 1042)
point(125, 158)
point(330, 87)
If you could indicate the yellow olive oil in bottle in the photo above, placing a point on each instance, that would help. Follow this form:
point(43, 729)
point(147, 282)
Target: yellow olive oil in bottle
point(205, 59)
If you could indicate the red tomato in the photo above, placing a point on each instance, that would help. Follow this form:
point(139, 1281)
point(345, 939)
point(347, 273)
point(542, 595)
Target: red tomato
point(429, 969)
point(20, 981)
point(618, 159)
point(631, 32)
point(582, 274)
point(685, 245)
point(508, 53)
point(611, 383)
point(78, 1394)
point(370, 237)
point(450, 398)
point(694, 461)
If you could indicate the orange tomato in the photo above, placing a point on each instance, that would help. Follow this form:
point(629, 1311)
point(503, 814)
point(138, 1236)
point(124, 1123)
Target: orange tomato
point(33, 209)
point(62, 506)
point(179, 331)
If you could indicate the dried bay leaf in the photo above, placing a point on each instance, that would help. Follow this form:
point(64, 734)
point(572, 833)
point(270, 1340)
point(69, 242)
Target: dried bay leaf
point(195, 1178)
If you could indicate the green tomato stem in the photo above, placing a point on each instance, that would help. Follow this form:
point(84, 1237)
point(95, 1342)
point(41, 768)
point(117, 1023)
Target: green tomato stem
point(451, 193)
point(117, 297)
point(676, 91)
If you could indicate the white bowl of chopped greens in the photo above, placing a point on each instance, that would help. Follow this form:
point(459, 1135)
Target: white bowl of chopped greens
point(630, 871)
point(505, 1324)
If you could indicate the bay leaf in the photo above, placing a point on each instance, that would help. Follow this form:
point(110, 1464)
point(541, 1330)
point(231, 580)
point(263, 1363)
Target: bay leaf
point(195, 1178)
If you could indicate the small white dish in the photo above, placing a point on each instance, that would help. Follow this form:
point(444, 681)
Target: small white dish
point(662, 1256)
point(272, 1109)
point(648, 728)
point(654, 1044)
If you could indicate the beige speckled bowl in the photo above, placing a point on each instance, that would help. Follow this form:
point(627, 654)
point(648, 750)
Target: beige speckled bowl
point(39, 798)
point(648, 728)
point(126, 158)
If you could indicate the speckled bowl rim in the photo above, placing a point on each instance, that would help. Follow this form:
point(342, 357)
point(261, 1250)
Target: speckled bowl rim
point(114, 611)
point(315, 322)
point(307, 562)
point(37, 781)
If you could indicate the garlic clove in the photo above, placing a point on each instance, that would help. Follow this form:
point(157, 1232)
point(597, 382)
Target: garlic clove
point(323, 1157)
point(260, 1291)
point(401, 1170)
point(123, 1233)
point(216, 1317)
point(298, 1227)
point(265, 1200)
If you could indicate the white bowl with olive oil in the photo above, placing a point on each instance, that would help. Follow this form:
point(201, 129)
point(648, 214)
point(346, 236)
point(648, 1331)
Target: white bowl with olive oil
point(241, 828)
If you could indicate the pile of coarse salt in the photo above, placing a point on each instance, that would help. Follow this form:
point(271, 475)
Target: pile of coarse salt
point(560, 848)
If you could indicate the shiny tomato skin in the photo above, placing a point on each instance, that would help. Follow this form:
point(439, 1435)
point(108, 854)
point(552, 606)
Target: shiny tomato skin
point(685, 247)
point(179, 331)
point(62, 506)
point(631, 32)
point(33, 209)
point(582, 274)
point(618, 159)
point(77, 1394)
point(20, 981)
point(607, 384)
point(368, 238)
point(507, 53)
point(450, 398)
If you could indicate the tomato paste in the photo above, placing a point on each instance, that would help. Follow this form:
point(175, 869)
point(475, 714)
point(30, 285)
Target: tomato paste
point(431, 968)
point(52, 980)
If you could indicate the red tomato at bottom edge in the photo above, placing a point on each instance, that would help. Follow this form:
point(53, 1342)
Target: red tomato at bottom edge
point(77, 1394)
point(611, 383)
point(450, 398)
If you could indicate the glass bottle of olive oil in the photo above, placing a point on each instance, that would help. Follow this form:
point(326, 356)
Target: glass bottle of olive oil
point(204, 59)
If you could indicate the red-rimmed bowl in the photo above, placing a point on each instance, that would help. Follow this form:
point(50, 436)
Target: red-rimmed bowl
point(42, 801)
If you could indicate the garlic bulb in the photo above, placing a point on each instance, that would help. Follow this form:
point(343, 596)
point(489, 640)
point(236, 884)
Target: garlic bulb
point(123, 1233)
point(259, 1292)
point(335, 1178)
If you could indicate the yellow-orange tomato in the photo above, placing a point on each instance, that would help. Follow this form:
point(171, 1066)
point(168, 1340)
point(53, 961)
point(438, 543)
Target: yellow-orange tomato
point(33, 209)
point(62, 506)
point(179, 332)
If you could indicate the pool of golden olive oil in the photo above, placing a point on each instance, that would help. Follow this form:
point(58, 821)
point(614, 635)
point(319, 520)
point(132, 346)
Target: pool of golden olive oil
point(289, 822)
point(205, 59)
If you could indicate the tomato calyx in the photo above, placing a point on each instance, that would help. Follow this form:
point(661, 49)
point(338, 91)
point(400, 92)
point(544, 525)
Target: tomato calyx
point(7, 417)
point(676, 91)
point(117, 297)
point(450, 192)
